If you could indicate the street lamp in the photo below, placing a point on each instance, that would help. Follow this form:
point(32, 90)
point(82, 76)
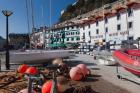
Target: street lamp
point(7, 14)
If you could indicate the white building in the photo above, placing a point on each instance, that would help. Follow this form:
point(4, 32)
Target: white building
point(38, 38)
point(113, 25)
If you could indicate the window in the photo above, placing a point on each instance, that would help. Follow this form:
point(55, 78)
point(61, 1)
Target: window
point(118, 16)
point(67, 28)
point(72, 27)
point(89, 26)
point(77, 27)
point(67, 33)
point(130, 12)
point(89, 33)
point(83, 28)
point(77, 33)
point(83, 36)
point(106, 29)
point(131, 38)
point(72, 38)
point(67, 39)
point(106, 20)
point(130, 25)
point(97, 31)
point(118, 27)
point(71, 33)
point(77, 38)
point(97, 23)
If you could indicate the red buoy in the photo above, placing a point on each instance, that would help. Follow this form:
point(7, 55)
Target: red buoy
point(32, 70)
point(76, 73)
point(46, 88)
point(22, 68)
point(83, 68)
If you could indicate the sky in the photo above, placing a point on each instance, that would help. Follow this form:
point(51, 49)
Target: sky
point(18, 20)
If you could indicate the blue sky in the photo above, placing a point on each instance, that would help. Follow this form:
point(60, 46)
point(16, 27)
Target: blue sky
point(18, 21)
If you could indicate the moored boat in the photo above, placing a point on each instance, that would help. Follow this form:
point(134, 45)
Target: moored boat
point(129, 59)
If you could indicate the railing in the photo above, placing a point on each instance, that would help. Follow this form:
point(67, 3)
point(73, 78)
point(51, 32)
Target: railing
point(136, 58)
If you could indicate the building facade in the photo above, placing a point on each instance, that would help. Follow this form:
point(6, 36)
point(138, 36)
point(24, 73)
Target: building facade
point(106, 26)
point(37, 38)
point(59, 36)
point(112, 25)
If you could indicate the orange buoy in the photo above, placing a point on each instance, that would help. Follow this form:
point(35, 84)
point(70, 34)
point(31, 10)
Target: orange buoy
point(26, 91)
point(46, 88)
point(83, 68)
point(31, 70)
point(22, 68)
point(88, 72)
point(76, 73)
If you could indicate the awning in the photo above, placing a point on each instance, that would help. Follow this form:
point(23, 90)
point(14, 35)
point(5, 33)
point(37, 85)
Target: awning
point(57, 45)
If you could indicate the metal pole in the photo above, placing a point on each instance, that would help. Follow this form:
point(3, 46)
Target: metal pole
point(0, 65)
point(7, 46)
point(28, 23)
point(30, 81)
point(127, 29)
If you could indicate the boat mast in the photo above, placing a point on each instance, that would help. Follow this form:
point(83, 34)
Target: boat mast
point(28, 23)
point(43, 23)
point(50, 7)
point(32, 11)
point(50, 13)
point(33, 26)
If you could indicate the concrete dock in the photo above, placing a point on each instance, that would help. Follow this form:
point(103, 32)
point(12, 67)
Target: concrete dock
point(104, 78)
point(108, 76)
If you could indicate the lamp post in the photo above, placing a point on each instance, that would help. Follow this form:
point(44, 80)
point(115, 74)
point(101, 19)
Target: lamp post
point(7, 14)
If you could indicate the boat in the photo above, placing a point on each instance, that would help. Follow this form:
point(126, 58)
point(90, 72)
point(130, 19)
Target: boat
point(134, 52)
point(39, 56)
point(104, 57)
point(129, 59)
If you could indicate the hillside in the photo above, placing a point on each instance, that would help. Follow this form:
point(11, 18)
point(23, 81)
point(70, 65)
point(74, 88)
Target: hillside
point(81, 7)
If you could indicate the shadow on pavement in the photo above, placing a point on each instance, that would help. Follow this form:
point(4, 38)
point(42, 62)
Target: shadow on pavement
point(95, 68)
point(76, 62)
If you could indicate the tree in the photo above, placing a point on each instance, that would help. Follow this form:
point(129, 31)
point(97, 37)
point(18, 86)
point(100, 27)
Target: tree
point(70, 8)
point(65, 16)
point(80, 4)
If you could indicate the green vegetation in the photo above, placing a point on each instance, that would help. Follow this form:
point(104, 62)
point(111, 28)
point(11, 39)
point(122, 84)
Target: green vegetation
point(81, 7)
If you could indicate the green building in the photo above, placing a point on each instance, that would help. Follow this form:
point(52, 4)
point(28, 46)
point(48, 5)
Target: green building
point(61, 36)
